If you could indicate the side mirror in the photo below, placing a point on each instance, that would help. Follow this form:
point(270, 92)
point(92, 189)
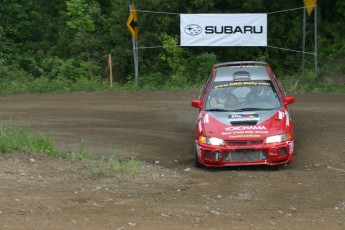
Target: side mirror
point(289, 100)
point(196, 104)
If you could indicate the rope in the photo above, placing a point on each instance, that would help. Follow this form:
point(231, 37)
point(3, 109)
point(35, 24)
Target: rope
point(274, 12)
point(298, 51)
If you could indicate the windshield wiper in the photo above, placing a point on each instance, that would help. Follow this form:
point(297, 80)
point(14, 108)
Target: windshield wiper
point(250, 109)
point(218, 110)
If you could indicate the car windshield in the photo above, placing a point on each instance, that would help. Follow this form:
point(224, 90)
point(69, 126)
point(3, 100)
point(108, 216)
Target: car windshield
point(242, 96)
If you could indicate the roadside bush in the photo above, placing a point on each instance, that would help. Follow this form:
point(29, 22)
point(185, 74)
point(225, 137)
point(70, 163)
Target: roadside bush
point(58, 85)
point(186, 68)
point(199, 67)
point(11, 72)
point(310, 82)
point(152, 81)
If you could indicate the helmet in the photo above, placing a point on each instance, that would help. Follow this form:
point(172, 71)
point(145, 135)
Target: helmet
point(221, 92)
point(256, 89)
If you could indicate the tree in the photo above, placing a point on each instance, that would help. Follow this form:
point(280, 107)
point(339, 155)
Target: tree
point(74, 37)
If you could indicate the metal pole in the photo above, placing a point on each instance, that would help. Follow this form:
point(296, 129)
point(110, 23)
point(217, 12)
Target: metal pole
point(303, 41)
point(136, 63)
point(315, 37)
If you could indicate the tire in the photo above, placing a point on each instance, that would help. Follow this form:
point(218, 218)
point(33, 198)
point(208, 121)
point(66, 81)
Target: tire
point(196, 160)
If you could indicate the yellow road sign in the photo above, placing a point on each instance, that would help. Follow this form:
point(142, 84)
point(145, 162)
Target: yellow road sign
point(309, 4)
point(132, 23)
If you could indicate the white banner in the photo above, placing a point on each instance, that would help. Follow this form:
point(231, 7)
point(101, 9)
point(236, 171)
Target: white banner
point(223, 29)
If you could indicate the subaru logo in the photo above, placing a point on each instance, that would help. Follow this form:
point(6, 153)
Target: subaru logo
point(193, 29)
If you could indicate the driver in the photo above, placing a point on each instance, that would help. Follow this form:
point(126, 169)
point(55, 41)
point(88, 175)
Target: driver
point(255, 94)
point(259, 93)
point(224, 98)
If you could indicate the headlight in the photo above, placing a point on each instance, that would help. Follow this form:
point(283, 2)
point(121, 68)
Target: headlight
point(278, 138)
point(211, 140)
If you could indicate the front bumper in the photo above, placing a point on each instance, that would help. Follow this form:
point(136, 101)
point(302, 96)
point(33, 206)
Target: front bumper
point(245, 153)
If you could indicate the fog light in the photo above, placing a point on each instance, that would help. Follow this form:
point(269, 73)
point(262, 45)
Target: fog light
point(217, 155)
point(273, 153)
point(207, 154)
point(282, 152)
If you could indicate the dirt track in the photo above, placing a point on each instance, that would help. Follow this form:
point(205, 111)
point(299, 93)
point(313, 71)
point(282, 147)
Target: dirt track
point(158, 127)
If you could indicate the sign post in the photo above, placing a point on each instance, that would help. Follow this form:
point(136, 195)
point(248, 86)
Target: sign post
point(310, 5)
point(132, 25)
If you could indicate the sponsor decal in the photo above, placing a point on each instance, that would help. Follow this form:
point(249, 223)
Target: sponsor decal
point(244, 132)
point(244, 136)
point(291, 146)
point(206, 119)
point(200, 125)
point(244, 128)
point(254, 131)
point(193, 29)
point(287, 121)
point(223, 29)
point(281, 115)
point(233, 29)
point(244, 83)
point(243, 117)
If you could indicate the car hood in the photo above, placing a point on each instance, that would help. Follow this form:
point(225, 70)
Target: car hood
point(243, 125)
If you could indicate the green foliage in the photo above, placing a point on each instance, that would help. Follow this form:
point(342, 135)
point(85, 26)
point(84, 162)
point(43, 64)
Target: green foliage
point(69, 40)
point(310, 82)
point(81, 20)
point(186, 68)
point(113, 166)
point(199, 67)
point(58, 85)
point(80, 154)
point(10, 72)
point(152, 81)
point(13, 139)
point(174, 55)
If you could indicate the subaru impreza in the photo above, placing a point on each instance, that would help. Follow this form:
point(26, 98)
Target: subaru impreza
point(243, 117)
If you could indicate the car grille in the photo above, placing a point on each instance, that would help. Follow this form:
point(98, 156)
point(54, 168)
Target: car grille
point(244, 143)
point(245, 155)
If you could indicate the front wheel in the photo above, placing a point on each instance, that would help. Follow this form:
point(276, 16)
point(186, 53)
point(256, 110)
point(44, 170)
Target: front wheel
point(196, 160)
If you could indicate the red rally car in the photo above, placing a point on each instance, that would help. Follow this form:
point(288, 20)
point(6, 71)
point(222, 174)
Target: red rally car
point(243, 117)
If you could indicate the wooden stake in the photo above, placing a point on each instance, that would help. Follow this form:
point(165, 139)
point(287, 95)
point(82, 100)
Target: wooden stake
point(110, 71)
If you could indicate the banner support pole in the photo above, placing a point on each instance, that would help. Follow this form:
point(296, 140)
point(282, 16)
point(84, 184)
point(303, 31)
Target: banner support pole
point(315, 38)
point(303, 41)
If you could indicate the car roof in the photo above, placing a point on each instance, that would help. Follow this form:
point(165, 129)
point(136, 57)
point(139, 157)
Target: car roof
point(239, 71)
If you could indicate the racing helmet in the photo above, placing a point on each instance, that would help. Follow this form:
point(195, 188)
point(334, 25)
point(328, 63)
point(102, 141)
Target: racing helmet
point(222, 94)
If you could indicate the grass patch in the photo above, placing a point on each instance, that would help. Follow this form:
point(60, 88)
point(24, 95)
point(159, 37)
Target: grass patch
point(80, 153)
point(20, 139)
point(83, 84)
point(113, 166)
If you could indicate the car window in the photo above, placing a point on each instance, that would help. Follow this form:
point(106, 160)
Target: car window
point(244, 95)
point(205, 88)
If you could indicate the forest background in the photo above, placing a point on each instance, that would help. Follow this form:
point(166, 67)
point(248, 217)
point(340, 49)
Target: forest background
point(59, 46)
